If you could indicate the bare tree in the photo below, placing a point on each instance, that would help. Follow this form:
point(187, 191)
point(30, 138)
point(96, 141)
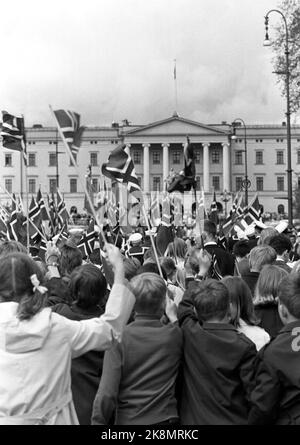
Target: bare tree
point(291, 10)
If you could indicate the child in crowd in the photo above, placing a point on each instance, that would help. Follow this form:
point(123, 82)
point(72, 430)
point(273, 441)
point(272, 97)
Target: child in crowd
point(266, 298)
point(139, 374)
point(242, 311)
point(37, 345)
point(89, 294)
point(276, 397)
point(218, 369)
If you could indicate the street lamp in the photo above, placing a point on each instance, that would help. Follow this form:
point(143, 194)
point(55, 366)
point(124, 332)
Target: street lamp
point(246, 182)
point(288, 110)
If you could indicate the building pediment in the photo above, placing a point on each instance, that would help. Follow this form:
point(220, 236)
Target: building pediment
point(176, 126)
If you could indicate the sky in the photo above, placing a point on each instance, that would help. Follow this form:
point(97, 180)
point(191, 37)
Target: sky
point(111, 60)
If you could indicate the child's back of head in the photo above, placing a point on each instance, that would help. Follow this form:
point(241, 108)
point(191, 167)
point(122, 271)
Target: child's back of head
point(211, 300)
point(150, 293)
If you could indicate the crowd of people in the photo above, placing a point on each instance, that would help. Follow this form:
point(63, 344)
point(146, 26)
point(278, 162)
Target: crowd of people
point(207, 333)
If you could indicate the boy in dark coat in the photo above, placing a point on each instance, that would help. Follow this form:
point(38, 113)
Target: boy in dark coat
point(276, 397)
point(139, 373)
point(218, 367)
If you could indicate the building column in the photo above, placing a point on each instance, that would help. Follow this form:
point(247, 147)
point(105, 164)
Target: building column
point(165, 147)
point(146, 161)
point(226, 167)
point(206, 167)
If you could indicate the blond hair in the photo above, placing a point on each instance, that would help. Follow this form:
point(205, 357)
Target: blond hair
point(266, 290)
point(150, 291)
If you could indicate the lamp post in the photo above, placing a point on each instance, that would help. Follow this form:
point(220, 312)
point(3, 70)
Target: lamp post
point(246, 182)
point(288, 110)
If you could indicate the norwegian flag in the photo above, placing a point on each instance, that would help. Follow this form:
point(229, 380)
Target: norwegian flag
point(166, 211)
point(155, 210)
point(111, 210)
point(13, 133)
point(12, 231)
point(69, 124)
point(101, 204)
point(34, 215)
point(62, 212)
point(42, 207)
point(3, 221)
point(42, 249)
point(120, 167)
point(253, 212)
point(87, 241)
point(52, 213)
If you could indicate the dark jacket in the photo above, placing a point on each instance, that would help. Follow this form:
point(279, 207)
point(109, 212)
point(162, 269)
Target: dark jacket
point(139, 375)
point(218, 371)
point(276, 397)
point(269, 320)
point(86, 370)
point(224, 259)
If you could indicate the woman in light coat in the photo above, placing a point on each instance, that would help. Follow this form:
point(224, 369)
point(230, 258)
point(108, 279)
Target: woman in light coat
point(37, 345)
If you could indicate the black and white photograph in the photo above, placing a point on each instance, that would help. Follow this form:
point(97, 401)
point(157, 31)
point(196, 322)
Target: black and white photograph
point(150, 215)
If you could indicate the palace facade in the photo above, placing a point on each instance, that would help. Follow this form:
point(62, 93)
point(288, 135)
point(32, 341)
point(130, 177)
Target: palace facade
point(157, 149)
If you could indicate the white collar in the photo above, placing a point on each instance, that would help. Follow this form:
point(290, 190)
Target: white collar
point(210, 243)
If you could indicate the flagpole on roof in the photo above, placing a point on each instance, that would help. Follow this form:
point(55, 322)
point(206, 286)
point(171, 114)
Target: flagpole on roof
point(83, 185)
point(175, 87)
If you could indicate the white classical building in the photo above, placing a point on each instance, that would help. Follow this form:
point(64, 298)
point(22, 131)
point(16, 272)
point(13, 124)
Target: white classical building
point(157, 148)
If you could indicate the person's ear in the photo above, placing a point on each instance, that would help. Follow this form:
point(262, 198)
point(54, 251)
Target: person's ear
point(283, 313)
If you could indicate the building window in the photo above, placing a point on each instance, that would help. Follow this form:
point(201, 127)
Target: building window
point(197, 156)
point(94, 159)
point(31, 186)
point(8, 160)
point(238, 183)
point(156, 157)
point(93, 142)
point(216, 183)
point(73, 185)
point(215, 156)
point(259, 158)
point(156, 183)
point(198, 183)
point(259, 184)
point(95, 185)
point(137, 157)
point(52, 159)
point(298, 156)
point(8, 185)
point(176, 157)
point(31, 160)
point(280, 159)
point(75, 159)
point(238, 158)
point(52, 185)
point(280, 183)
point(259, 140)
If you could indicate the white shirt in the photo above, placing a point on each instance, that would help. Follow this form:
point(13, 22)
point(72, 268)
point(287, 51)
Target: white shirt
point(256, 334)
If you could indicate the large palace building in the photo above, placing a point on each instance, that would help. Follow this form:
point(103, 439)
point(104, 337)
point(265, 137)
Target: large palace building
point(157, 148)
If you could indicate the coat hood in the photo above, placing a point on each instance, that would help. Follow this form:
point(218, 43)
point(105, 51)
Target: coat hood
point(20, 336)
